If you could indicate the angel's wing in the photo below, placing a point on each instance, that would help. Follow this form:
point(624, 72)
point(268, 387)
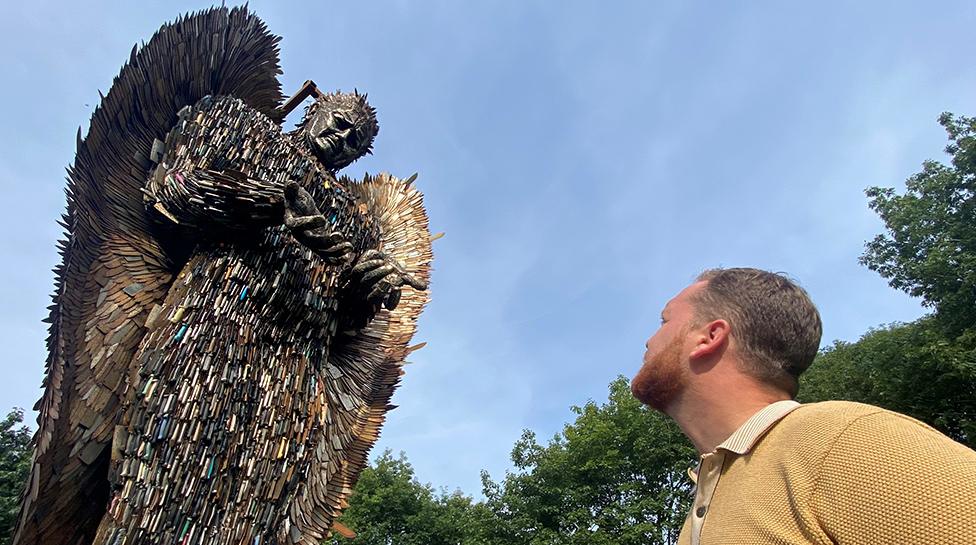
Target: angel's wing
point(113, 268)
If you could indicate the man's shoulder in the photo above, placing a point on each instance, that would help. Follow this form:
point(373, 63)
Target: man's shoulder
point(845, 413)
point(828, 422)
point(817, 426)
point(827, 415)
point(835, 411)
point(848, 436)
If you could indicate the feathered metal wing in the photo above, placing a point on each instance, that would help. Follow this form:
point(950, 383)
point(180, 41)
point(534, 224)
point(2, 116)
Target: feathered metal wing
point(114, 267)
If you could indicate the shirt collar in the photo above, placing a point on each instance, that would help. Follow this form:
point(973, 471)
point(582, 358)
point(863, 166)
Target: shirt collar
point(744, 438)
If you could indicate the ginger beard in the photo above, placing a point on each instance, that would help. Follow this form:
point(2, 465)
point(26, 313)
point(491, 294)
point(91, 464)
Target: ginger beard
point(662, 376)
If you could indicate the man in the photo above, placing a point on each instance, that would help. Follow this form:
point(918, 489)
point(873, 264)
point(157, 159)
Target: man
point(724, 365)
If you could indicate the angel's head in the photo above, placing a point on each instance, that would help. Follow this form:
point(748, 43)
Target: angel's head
point(340, 127)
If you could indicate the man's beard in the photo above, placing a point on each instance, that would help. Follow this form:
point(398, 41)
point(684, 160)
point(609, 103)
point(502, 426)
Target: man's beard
point(658, 382)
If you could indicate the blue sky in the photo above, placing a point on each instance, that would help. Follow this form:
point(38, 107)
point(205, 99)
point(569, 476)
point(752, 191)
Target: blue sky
point(585, 159)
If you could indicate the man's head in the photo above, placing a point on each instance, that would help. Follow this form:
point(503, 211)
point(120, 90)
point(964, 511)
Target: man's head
point(774, 323)
point(767, 322)
point(340, 128)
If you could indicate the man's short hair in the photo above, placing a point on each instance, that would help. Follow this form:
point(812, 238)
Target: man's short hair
point(776, 327)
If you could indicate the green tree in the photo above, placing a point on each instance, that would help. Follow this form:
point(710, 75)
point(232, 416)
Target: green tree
point(390, 507)
point(929, 249)
point(617, 475)
point(15, 454)
point(926, 369)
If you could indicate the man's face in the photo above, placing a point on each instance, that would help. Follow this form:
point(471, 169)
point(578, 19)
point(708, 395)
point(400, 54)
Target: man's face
point(664, 372)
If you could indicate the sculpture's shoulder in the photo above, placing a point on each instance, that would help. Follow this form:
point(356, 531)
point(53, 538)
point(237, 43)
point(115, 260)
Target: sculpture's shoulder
point(224, 134)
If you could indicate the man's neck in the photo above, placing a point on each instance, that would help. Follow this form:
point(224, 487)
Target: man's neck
point(708, 420)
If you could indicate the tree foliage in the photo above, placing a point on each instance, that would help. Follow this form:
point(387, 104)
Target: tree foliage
point(15, 454)
point(926, 369)
point(929, 249)
point(390, 507)
point(617, 475)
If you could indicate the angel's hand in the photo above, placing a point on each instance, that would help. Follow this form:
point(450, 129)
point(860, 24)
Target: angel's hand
point(374, 282)
point(310, 227)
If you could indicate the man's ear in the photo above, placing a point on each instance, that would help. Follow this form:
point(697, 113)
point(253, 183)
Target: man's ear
point(710, 339)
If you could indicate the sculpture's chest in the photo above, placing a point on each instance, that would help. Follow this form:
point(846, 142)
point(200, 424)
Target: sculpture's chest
point(267, 274)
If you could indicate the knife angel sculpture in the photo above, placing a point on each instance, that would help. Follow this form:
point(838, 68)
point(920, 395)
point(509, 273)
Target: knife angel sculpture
point(230, 319)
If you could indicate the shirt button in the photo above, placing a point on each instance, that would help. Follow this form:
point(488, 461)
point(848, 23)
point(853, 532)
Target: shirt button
point(700, 512)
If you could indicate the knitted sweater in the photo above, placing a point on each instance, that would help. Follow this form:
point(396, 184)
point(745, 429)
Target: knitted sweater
point(843, 473)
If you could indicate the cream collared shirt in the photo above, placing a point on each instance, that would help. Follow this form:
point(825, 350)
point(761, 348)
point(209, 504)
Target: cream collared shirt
point(709, 470)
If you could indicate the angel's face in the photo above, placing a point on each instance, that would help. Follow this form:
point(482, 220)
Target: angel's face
point(341, 128)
